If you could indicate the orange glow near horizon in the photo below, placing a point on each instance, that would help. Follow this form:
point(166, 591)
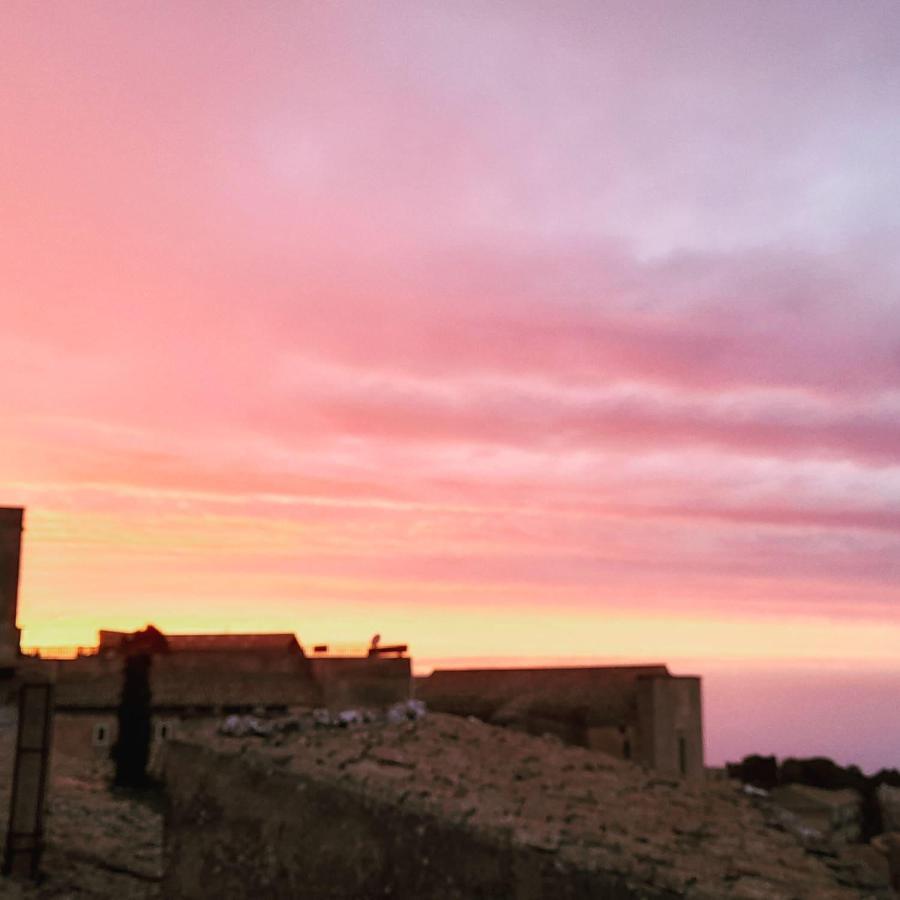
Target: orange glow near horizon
point(81, 574)
point(187, 576)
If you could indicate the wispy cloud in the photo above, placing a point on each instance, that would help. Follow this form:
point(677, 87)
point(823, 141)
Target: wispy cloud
point(584, 308)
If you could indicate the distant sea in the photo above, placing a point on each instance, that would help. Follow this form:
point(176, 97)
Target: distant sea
point(848, 712)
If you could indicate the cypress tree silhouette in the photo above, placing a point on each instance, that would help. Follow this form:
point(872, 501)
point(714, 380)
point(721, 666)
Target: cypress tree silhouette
point(132, 749)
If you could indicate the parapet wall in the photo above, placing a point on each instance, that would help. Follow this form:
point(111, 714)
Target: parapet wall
point(362, 681)
point(216, 682)
point(598, 695)
point(237, 829)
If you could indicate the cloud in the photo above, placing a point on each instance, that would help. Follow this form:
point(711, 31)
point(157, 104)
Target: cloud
point(598, 304)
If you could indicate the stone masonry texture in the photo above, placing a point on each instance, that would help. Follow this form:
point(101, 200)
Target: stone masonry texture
point(451, 808)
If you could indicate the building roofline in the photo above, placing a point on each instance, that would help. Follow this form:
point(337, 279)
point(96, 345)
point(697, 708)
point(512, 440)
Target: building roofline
point(637, 668)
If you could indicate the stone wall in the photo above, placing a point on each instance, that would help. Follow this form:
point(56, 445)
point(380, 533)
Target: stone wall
point(362, 681)
point(202, 681)
point(78, 734)
point(243, 831)
point(448, 807)
point(670, 727)
point(76, 737)
point(632, 712)
point(9, 720)
point(582, 696)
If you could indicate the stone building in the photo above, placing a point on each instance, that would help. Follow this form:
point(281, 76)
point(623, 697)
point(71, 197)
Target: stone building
point(642, 713)
point(199, 676)
point(207, 676)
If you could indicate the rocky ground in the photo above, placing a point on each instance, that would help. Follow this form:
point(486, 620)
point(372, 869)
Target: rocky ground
point(701, 840)
point(99, 844)
point(704, 840)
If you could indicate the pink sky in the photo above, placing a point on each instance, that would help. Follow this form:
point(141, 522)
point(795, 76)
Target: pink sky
point(543, 330)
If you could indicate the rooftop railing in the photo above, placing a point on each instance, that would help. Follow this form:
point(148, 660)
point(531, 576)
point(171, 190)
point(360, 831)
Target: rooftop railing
point(67, 651)
point(72, 651)
point(336, 649)
point(320, 650)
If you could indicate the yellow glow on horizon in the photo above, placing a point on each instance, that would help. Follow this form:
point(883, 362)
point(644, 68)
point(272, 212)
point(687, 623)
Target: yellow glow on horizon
point(442, 633)
point(86, 571)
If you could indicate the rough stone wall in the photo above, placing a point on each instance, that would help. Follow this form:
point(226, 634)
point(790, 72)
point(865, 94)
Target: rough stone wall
point(670, 727)
point(595, 695)
point(362, 681)
point(632, 712)
point(616, 740)
point(9, 720)
point(449, 807)
point(74, 734)
point(202, 681)
point(88, 682)
point(244, 832)
point(237, 660)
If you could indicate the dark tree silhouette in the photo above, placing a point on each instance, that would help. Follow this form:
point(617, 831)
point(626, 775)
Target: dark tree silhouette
point(132, 749)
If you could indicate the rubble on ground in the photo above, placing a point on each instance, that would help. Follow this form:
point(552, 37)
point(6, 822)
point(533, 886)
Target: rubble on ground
point(261, 726)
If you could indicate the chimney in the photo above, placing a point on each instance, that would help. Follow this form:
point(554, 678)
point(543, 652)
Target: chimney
point(10, 552)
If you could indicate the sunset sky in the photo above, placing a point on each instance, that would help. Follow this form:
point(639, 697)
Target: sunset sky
point(556, 331)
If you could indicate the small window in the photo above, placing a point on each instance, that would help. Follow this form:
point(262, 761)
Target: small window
point(163, 731)
point(101, 735)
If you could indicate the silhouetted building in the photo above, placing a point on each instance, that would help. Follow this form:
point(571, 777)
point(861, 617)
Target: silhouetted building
point(26, 705)
point(11, 519)
point(642, 713)
point(371, 680)
point(199, 676)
